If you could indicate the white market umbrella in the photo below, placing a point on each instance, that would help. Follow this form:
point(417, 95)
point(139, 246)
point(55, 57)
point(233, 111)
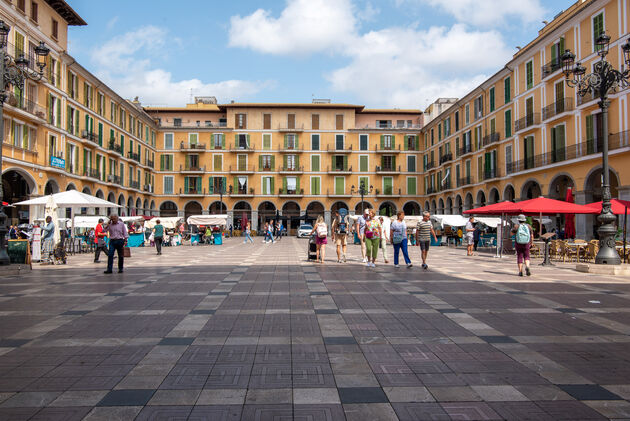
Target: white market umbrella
point(51, 210)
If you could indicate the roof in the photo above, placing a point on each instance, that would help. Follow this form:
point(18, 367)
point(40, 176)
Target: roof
point(390, 111)
point(287, 105)
point(66, 12)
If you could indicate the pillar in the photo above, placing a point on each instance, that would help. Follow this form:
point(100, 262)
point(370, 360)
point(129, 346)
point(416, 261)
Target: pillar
point(583, 223)
point(327, 217)
point(230, 218)
point(254, 220)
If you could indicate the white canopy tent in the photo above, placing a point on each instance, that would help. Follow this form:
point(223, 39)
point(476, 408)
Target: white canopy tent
point(450, 220)
point(220, 220)
point(169, 222)
point(72, 199)
point(82, 221)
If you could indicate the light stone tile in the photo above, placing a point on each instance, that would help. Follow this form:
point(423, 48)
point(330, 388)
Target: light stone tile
point(222, 397)
point(175, 397)
point(408, 394)
point(315, 396)
point(268, 396)
point(499, 393)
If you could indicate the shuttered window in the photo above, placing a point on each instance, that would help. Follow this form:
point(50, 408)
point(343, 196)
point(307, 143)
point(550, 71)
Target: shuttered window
point(529, 71)
point(266, 121)
point(315, 163)
point(507, 90)
point(339, 122)
point(315, 122)
point(217, 163)
point(363, 163)
point(168, 184)
point(339, 185)
point(598, 28)
point(315, 185)
point(411, 185)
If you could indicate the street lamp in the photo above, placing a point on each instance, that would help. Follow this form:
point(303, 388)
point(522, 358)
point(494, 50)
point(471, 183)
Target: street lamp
point(13, 72)
point(362, 191)
point(221, 193)
point(603, 81)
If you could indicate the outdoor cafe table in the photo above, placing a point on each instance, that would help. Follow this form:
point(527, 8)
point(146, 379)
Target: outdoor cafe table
point(578, 247)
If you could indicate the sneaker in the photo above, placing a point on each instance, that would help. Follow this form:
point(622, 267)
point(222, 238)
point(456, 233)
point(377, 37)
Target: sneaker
point(409, 266)
point(373, 265)
point(344, 258)
point(368, 264)
point(425, 266)
point(520, 274)
point(397, 266)
point(108, 271)
point(365, 260)
point(338, 260)
point(528, 272)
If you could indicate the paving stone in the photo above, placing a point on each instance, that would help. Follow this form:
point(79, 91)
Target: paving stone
point(369, 411)
point(127, 397)
point(175, 397)
point(589, 392)
point(350, 395)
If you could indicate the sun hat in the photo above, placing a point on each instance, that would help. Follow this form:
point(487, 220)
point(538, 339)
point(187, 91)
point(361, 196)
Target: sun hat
point(366, 211)
point(521, 218)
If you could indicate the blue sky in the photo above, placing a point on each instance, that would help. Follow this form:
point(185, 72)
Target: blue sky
point(387, 53)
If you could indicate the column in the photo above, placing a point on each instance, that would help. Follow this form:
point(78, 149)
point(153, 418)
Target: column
point(205, 212)
point(230, 218)
point(327, 217)
point(582, 222)
point(254, 221)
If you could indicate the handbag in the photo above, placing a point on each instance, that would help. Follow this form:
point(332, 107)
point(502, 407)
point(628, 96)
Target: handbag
point(126, 252)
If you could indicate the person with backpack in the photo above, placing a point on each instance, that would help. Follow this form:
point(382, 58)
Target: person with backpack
point(321, 233)
point(523, 238)
point(360, 230)
point(373, 234)
point(340, 233)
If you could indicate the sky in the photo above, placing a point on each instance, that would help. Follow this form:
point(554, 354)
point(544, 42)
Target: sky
point(378, 53)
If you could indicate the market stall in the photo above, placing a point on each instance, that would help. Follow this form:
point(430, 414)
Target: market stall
point(217, 222)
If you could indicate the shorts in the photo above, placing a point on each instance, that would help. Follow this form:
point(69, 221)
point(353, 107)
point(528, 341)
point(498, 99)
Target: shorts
point(470, 240)
point(321, 241)
point(424, 245)
point(522, 252)
point(341, 239)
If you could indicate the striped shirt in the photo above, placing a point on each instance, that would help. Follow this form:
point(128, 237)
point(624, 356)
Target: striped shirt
point(424, 230)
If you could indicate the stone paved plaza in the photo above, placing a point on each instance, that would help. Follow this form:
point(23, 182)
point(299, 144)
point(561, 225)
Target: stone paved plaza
point(255, 332)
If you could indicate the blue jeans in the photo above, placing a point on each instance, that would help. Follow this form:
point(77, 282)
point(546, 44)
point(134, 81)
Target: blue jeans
point(402, 245)
point(248, 237)
point(115, 245)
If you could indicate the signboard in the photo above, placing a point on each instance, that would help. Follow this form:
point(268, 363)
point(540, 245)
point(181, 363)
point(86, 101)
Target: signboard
point(57, 162)
point(18, 251)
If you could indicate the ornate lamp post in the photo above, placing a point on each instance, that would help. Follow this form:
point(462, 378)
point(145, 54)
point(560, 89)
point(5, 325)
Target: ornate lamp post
point(13, 73)
point(362, 191)
point(603, 81)
point(221, 193)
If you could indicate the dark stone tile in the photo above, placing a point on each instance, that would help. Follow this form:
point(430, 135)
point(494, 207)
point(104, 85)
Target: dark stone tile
point(569, 410)
point(420, 411)
point(449, 310)
point(116, 294)
point(219, 293)
point(164, 413)
point(13, 343)
point(362, 395)
point(183, 382)
point(75, 413)
point(569, 310)
point(202, 312)
point(588, 392)
point(176, 341)
point(470, 411)
point(419, 292)
point(517, 292)
point(499, 339)
point(76, 313)
point(216, 413)
point(319, 293)
point(339, 340)
point(267, 412)
point(17, 414)
point(327, 311)
point(520, 411)
point(127, 397)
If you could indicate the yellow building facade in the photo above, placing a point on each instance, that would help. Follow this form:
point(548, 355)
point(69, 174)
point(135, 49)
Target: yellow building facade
point(524, 133)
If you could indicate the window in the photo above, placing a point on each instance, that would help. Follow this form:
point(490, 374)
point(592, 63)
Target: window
point(507, 87)
point(529, 74)
point(508, 159)
point(411, 143)
point(34, 11)
point(387, 142)
point(411, 185)
point(363, 142)
point(315, 163)
point(290, 141)
point(340, 163)
point(491, 93)
point(339, 122)
point(88, 98)
point(315, 142)
point(193, 138)
point(72, 85)
point(388, 185)
point(456, 121)
point(21, 5)
point(267, 185)
point(55, 29)
point(384, 124)
point(166, 162)
point(315, 185)
point(291, 121)
point(339, 142)
point(177, 122)
point(217, 162)
point(291, 185)
point(528, 152)
point(315, 122)
point(290, 162)
point(266, 121)
point(240, 121)
point(478, 107)
point(439, 130)
point(598, 28)
point(168, 140)
point(101, 104)
point(411, 163)
point(54, 110)
point(266, 162)
point(266, 142)
point(363, 163)
point(467, 116)
point(240, 185)
point(217, 185)
point(557, 49)
point(340, 184)
point(242, 141)
point(388, 163)
point(218, 141)
point(558, 151)
point(508, 123)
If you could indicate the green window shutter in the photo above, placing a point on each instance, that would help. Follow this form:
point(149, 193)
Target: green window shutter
point(411, 185)
point(186, 184)
point(394, 162)
point(590, 132)
point(50, 109)
point(69, 119)
point(284, 161)
point(286, 142)
point(170, 162)
point(247, 141)
point(67, 156)
point(297, 141)
point(560, 143)
point(382, 161)
point(339, 185)
point(406, 140)
point(561, 47)
point(345, 162)
point(58, 122)
point(315, 163)
point(297, 161)
point(87, 122)
point(85, 159)
point(273, 185)
point(224, 184)
point(235, 184)
point(332, 162)
point(161, 162)
point(260, 163)
point(273, 162)
point(382, 141)
point(297, 185)
point(506, 88)
point(319, 187)
point(284, 184)
point(508, 123)
point(492, 99)
point(100, 134)
point(314, 185)
point(393, 142)
point(530, 74)
point(387, 185)
point(363, 163)
point(76, 122)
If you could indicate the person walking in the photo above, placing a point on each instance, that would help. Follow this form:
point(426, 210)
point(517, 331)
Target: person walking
point(398, 235)
point(373, 233)
point(158, 236)
point(360, 230)
point(118, 235)
point(248, 233)
point(48, 240)
point(424, 232)
point(476, 237)
point(470, 236)
point(99, 240)
point(385, 238)
point(340, 234)
point(13, 233)
point(321, 233)
point(523, 234)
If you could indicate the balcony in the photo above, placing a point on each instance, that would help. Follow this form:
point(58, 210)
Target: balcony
point(188, 125)
point(490, 139)
point(336, 193)
point(388, 192)
point(26, 105)
point(113, 179)
point(238, 147)
point(192, 192)
point(294, 129)
point(290, 170)
point(187, 146)
point(583, 149)
point(464, 181)
point(92, 173)
point(387, 170)
point(558, 107)
point(590, 96)
point(266, 168)
point(527, 121)
point(429, 165)
point(150, 163)
point(242, 169)
point(551, 67)
point(241, 192)
point(290, 193)
point(134, 185)
point(446, 185)
point(491, 174)
point(404, 127)
point(339, 170)
point(92, 137)
point(387, 149)
point(336, 150)
point(134, 156)
point(113, 146)
point(446, 158)
point(431, 190)
point(291, 148)
point(192, 168)
point(148, 188)
point(465, 149)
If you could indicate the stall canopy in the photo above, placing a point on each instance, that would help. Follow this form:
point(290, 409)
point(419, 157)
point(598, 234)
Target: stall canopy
point(617, 206)
point(82, 221)
point(538, 206)
point(489, 221)
point(219, 220)
point(495, 209)
point(167, 222)
point(451, 220)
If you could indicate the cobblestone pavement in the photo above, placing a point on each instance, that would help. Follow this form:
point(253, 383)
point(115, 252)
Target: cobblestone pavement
point(254, 332)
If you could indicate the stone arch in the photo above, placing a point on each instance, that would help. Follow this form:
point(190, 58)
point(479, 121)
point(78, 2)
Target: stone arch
point(111, 197)
point(152, 207)
point(481, 198)
point(531, 189)
point(440, 207)
point(242, 210)
point(313, 210)
point(266, 212)
point(433, 207)
point(387, 208)
point(494, 196)
point(145, 207)
point(71, 186)
point(130, 209)
point(168, 209)
point(449, 205)
point(427, 206)
point(361, 207)
point(559, 185)
point(412, 208)
point(51, 187)
point(139, 209)
point(192, 208)
point(468, 201)
point(593, 183)
point(339, 205)
point(217, 208)
point(87, 190)
point(459, 207)
point(509, 193)
point(291, 215)
point(17, 186)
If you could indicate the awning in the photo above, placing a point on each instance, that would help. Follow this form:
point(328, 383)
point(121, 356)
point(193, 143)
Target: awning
point(169, 222)
point(450, 220)
point(220, 220)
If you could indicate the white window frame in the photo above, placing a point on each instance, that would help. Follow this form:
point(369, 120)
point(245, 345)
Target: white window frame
point(310, 185)
point(320, 162)
point(222, 162)
point(270, 141)
point(173, 140)
point(193, 134)
point(172, 178)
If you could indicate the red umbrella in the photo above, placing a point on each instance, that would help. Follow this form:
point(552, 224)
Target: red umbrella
point(569, 225)
point(544, 206)
point(495, 209)
point(617, 206)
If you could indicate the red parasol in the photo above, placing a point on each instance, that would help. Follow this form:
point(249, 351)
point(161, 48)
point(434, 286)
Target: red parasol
point(495, 209)
point(544, 206)
point(617, 206)
point(569, 225)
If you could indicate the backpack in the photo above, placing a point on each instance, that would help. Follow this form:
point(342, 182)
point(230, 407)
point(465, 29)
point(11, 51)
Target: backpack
point(322, 231)
point(342, 222)
point(522, 234)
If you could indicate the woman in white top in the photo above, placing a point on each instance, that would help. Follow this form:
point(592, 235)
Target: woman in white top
point(398, 235)
point(321, 233)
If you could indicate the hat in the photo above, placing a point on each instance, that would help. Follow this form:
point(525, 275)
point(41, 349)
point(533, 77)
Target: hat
point(366, 211)
point(521, 218)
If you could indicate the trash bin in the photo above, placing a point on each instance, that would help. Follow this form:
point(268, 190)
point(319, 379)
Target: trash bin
point(218, 239)
point(356, 238)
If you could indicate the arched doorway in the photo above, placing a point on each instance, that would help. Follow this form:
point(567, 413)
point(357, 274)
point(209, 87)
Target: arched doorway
point(449, 206)
point(559, 186)
point(130, 210)
point(168, 209)
point(468, 202)
point(338, 205)
point(531, 190)
point(459, 208)
point(266, 212)
point(411, 208)
point(291, 216)
point(71, 186)
point(440, 208)
point(121, 203)
point(481, 199)
point(87, 190)
point(313, 210)
point(99, 193)
point(111, 197)
point(139, 210)
point(152, 207)
point(51, 187)
point(387, 209)
point(145, 207)
point(192, 208)
point(17, 186)
point(217, 208)
point(494, 196)
point(242, 210)
point(433, 207)
point(509, 193)
point(361, 207)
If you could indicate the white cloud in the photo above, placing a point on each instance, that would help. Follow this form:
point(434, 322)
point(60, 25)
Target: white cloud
point(303, 27)
point(489, 12)
point(112, 22)
point(124, 63)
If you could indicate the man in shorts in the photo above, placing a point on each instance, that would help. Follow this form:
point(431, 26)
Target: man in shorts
point(340, 238)
point(360, 230)
point(424, 231)
point(470, 236)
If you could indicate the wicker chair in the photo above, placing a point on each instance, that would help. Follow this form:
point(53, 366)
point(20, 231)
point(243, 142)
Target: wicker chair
point(591, 251)
point(534, 251)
